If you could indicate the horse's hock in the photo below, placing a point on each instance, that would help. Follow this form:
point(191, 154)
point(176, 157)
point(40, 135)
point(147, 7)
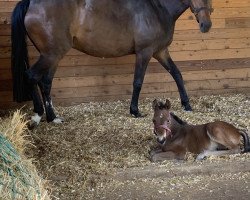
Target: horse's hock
point(18, 176)
point(213, 63)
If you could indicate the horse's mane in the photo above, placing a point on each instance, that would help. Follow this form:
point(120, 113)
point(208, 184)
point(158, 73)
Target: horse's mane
point(179, 120)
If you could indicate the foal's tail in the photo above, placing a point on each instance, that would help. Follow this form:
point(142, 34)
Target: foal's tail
point(19, 54)
point(245, 136)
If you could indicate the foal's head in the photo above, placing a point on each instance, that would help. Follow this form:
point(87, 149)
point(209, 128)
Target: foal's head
point(202, 10)
point(162, 120)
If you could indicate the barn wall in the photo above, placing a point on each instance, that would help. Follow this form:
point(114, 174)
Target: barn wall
point(214, 63)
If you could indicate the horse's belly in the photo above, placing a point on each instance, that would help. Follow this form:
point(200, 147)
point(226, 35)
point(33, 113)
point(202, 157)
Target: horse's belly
point(101, 46)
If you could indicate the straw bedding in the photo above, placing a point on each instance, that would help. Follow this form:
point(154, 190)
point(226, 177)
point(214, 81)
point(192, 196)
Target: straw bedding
point(99, 138)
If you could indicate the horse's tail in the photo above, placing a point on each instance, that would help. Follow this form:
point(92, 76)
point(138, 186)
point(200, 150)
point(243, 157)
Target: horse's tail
point(19, 54)
point(246, 141)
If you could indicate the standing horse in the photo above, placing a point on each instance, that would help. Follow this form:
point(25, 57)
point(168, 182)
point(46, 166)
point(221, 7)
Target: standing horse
point(101, 28)
point(177, 137)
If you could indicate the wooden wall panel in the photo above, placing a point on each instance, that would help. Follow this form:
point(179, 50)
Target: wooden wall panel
point(217, 62)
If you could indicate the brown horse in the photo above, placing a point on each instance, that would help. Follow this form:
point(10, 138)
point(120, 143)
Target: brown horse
point(101, 28)
point(177, 137)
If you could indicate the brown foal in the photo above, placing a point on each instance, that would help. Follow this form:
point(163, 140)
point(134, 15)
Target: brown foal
point(176, 137)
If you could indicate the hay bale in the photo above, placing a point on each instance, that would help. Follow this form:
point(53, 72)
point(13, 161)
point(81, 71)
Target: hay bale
point(18, 176)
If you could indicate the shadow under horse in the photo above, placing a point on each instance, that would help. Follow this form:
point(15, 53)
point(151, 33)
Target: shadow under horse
point(101, 28)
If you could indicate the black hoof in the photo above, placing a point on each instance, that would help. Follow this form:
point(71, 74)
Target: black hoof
point(187, 107)
point(137, 114)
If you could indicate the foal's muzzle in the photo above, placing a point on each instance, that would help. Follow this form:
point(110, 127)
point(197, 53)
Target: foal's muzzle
point(161, 141)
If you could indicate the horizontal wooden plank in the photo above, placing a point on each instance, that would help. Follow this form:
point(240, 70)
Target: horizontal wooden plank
point(164, 78)
point(148, 88)
point(123, 69)
point(237, 22)
point(150, 78)
point(193, 93)
point(76, 101)
point(222, 12)
point(231, 3)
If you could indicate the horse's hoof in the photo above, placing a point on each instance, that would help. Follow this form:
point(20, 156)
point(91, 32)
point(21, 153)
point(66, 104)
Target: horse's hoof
point(58, 120)
point(34, 121)
point(139, 115)
point(188, 108)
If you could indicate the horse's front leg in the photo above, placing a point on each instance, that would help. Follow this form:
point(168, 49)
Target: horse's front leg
point(164, 58)
point(142, 59)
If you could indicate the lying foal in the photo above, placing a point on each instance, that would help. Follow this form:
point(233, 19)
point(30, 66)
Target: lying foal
point(177, 137)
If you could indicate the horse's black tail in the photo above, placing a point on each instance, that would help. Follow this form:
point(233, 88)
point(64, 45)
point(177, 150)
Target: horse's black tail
point(246, 140)
point(19, 54)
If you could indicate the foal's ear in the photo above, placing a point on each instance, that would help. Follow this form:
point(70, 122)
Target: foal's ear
point(155, 104)
point(167, 104)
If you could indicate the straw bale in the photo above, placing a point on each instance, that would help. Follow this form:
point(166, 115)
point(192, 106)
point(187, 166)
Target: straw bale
point(18, 176)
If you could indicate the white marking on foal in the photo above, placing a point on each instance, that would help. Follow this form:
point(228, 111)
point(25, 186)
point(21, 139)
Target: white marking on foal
point(36, 118)
point(211, 150)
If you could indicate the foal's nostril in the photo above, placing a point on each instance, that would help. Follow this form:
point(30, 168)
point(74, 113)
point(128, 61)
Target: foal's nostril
point(202, 25)
point(160, 141)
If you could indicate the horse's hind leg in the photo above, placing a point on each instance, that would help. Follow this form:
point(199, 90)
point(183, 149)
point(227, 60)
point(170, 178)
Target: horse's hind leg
point(164, 58)
point(34, 75)
point(42, 73)
point(45, 88)
point(38, 107)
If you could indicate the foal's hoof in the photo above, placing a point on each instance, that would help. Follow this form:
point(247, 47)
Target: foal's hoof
point(58, 120)
point(154, 151)
point(200, 157)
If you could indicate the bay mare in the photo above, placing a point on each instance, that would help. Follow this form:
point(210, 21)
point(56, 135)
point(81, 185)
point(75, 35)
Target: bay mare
point(177, 137)
point(101, 28)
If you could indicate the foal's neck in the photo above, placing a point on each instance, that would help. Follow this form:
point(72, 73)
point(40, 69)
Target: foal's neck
point(177, 123)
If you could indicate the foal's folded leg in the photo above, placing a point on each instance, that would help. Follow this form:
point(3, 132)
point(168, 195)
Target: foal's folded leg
point(207, 153)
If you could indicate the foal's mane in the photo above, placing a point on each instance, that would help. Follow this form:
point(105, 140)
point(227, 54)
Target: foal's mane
point(179, 120)
point(162, 106)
